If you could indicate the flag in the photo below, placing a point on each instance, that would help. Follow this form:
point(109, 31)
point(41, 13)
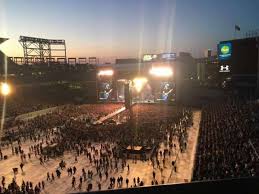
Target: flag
point(237, 28)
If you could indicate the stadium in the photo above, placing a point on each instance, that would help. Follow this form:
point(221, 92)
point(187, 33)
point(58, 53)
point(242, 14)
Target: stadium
point(163, 122)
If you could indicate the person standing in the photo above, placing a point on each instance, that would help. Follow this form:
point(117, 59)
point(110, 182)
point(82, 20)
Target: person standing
point(21, 166)
point(154, 175)
point(43, 184)
point(3, 181)
point(48, 176)
point(52, 176)
point(73, 182)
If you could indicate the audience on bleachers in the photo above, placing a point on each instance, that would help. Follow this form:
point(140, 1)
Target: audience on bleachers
point(223, 149)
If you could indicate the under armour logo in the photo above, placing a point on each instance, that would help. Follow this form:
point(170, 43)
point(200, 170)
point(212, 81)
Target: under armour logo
point(224, 68)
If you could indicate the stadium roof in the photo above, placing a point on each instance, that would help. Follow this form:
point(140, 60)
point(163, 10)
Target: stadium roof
point(3, 40)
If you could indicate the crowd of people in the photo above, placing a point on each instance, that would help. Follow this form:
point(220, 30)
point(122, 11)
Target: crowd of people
point(44, 131)
point(227, 145)
point(72, 130)
point(224, 149)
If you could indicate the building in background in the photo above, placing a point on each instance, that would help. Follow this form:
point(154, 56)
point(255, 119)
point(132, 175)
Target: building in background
point(207, 69)
point(126, 61)
point(208, 53)
point(187, 66)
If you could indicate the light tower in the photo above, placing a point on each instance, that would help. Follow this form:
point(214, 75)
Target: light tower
point(42, 50)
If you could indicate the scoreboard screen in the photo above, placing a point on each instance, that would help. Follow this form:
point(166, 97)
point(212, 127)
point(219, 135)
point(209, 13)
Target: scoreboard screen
point(225, 50)
point(239, 57)
point(168, 56)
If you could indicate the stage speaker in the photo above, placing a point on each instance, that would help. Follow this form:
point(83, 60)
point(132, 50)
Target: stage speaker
point(127, 95)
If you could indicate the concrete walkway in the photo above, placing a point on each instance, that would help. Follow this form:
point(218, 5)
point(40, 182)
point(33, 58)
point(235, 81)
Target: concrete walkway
point(185, 164)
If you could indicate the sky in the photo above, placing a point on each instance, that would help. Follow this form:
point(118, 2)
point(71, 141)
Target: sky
point(126, 28)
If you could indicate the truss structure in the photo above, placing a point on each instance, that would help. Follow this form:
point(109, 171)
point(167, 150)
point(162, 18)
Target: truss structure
point(41, 50)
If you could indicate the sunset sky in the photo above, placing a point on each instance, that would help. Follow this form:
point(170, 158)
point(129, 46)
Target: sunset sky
point(126, 28)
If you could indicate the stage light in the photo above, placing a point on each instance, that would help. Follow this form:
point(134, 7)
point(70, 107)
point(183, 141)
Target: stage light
point(122, 80)
point(161, 71)
point(107, 72)
point(147, 57)
point(5, 89)
point(139, 83)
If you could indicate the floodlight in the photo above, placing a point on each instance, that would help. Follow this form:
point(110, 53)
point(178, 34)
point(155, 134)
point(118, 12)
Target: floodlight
point(108, 72)
point(5, 89)
point(161, 71)
point(139, 83)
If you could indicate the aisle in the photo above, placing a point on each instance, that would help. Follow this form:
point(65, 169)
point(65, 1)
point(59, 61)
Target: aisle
point(185, 165)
